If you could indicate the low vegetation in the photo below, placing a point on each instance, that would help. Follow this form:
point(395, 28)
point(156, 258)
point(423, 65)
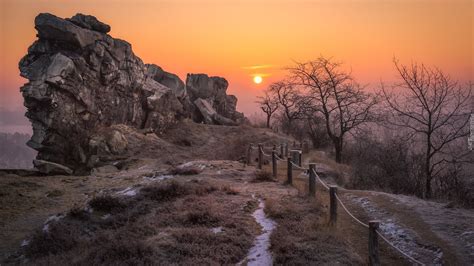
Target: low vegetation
point(303, 237)
point(167, 223)
point(263, 176)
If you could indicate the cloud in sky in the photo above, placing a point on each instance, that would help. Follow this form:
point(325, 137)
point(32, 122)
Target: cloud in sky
point(259, 67)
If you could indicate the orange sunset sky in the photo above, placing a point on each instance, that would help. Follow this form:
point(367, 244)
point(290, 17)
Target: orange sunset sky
point(240, 39)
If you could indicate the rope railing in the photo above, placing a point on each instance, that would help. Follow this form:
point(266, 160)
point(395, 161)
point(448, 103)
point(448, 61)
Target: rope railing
point(341, 203)
point(299, 167)
point(278, 158)
point(350, 214)
point(265, 154)
point(399, 250)
point(320, 181)
point(367, 226)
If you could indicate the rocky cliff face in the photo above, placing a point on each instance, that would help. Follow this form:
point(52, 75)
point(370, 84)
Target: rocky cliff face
point(82, 81)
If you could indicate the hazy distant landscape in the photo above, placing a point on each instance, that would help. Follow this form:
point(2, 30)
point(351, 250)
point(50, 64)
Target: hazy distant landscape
point(15, 153)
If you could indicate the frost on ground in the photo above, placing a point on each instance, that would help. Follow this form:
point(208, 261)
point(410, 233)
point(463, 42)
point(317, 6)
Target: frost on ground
point(51, 219)
point(129, 192)
point(403, 238)
point(216, 230)
point(199, 164)
point(453, 225)
point(260, 253)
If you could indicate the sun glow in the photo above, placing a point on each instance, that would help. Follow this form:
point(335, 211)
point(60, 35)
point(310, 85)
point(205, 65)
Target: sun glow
point(257, 79)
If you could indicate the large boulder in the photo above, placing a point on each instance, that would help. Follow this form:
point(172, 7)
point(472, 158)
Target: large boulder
point(51, 168)
point(210, 116)
point(169, 80)
point(82, 81)
point(213, 90)
point(89, 22)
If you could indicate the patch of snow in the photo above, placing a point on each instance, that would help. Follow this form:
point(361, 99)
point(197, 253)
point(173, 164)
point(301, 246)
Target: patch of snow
point(105, 217)
point(199, 164)
point(216, 230)
point(129, 192)
point(184, 165)
point(25, 242)
point(53, 218)
point(260, 254)
point(157, 177)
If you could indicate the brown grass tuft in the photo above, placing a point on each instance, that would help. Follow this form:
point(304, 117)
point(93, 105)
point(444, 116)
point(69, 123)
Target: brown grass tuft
point(106, 203)
point(263, 176)
point(185, 171)
point(229, 191)
point(166, 191)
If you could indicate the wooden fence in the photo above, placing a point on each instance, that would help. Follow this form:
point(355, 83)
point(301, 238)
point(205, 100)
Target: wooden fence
point(294, 161)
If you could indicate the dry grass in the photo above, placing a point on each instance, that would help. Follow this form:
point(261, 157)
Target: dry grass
point(185, 171)
point(339, 172)
point(229, 190)
point(166, 223)
point(303, 236)
point(106, 203)
point(263, 176)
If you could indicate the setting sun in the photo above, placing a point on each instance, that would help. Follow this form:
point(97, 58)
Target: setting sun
point(257, 79)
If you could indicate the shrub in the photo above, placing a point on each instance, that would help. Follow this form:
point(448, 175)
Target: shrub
point(263, 176)
point(201, 217)
point(106, 203)
point(165, 191)
point(185, 171)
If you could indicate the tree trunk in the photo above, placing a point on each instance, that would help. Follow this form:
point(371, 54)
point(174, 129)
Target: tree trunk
point(338, 147)
point(428, 172)
point(268, 121)
point(428, 188)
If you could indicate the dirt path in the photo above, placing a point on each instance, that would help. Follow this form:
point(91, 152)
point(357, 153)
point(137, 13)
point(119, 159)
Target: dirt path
point(428, 231)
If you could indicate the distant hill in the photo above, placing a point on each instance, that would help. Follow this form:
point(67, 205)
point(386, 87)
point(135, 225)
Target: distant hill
point(13, 151)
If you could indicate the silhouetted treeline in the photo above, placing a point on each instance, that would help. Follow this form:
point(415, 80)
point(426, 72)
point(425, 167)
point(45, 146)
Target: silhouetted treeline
point(13, 151)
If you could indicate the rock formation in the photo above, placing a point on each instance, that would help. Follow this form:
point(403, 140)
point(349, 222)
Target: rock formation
point(82, 81)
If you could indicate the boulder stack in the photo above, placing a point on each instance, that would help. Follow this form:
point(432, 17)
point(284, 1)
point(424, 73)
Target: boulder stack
point(82, 81)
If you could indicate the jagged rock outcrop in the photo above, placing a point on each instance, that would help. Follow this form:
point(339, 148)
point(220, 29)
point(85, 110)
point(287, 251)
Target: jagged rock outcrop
point(213, 91)
point(82, 81)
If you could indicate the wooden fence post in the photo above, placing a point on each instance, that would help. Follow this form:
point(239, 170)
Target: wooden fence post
point(333, 204)
point(286, 149)
point(312, 180)
point(249, 151)
point(260, 156)
point(373, 243)
point(282, 150)
point(274, 164)
point(300, 159)
point(290, 171)
point(295, 157)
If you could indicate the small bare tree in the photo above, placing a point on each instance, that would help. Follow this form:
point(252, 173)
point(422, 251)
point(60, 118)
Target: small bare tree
point(289, 99)
point(269, 105)
point(434, 107)
point(334, 94)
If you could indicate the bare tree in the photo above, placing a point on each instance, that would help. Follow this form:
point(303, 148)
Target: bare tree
point(333, 93)
point(269, 105)
point(289, 99)
point(434, 107)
